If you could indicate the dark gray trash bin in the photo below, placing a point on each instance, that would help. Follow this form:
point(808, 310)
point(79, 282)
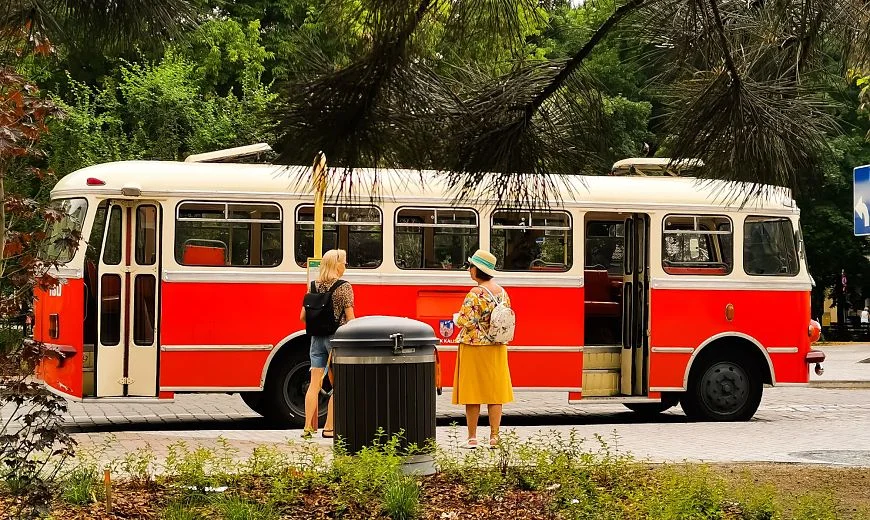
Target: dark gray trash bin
point(384, 370)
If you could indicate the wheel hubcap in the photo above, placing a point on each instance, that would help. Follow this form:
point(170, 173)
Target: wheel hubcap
point(725, 388)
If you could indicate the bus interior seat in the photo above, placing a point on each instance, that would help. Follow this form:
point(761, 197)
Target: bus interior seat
point(702, 270)
point(204, 255)
point(600, 294)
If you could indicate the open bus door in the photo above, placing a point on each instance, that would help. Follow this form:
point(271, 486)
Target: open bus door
point(127, 289)
point(635, 314)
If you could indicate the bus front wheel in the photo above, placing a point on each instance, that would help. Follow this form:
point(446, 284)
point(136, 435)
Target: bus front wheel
point(723, 389)
point(283, 400)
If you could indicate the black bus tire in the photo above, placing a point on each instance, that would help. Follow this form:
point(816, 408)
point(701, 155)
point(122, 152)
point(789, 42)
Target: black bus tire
point(723, 389)
point(283, 400)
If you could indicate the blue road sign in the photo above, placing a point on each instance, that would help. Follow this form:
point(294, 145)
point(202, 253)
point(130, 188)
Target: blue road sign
point(861, 199)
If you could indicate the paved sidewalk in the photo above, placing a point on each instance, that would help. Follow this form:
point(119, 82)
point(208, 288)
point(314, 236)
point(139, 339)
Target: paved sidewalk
point(830, 424)
point(847, 365)
point(792, 425)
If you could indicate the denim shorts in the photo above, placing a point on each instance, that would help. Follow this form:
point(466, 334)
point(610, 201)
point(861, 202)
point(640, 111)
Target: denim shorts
point(319, 351)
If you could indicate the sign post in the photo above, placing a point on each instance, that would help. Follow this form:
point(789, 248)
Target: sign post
point(318, 179)
point(861, 200)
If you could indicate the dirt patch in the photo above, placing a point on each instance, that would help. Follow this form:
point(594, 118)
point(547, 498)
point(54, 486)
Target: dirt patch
point(848, 486)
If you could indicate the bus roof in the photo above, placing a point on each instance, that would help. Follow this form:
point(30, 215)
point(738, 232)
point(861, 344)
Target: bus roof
point(163, 179)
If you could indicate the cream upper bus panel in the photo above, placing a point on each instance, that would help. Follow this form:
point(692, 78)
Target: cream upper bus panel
point(153, 179)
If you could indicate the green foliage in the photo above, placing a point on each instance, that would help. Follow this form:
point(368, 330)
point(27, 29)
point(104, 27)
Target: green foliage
point(237, 508)
point(180, 510)
point(203, 94)
point(363, 476)
point(82, 485)
point(226, 56)
point(401, 498)
point(201, 468)
point(687, 492)
point(139, 466)
point(816, 506)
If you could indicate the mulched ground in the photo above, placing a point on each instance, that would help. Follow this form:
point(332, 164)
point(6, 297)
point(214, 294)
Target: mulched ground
point(443, 499)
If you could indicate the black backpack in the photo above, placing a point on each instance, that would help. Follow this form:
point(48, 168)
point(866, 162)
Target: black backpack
point(320, 317)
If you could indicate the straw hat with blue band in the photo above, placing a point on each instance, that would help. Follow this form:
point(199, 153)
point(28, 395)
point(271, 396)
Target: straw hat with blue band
point(484, 260)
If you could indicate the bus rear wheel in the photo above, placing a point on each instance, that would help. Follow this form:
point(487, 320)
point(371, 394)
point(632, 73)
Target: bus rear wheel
point(255, 401)
point(723, 389)
point(283, 400)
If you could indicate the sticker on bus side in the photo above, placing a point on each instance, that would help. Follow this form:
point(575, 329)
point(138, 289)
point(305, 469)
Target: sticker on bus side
point(313, 270)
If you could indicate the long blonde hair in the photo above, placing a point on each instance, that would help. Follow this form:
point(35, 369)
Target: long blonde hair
point(329, 265)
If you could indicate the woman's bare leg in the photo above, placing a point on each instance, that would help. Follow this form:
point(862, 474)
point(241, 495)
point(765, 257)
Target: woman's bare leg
point(312, 398)
point(472, 414)
point(494, 411)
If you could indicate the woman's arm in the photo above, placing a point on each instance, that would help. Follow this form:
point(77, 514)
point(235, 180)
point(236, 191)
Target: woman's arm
point(302, 315)
point(348, 314)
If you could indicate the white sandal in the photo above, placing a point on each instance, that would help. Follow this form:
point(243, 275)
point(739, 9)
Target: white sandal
point(471, 443)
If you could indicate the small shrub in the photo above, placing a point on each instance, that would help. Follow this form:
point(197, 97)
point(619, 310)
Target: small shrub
point(266, 461)
point(237, 508)
point(686, 492)
point(754, 502)
point(816, 506)
point(364, 475)
point(192, 469)
point(485, 483)
point(401, 499)
point(139, 465)
point(82, 486)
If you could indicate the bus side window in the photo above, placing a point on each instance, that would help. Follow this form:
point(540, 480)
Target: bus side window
point(532, 240)
point(435, 238)
point(697, 245)
point(358, 230)
point(237, 234)
point(769, 247)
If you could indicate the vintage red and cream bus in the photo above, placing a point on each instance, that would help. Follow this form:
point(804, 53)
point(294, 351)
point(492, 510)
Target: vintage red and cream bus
point(642, 290)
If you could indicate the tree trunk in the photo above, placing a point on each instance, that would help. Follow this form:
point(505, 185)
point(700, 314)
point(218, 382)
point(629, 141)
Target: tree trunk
point(2, 221)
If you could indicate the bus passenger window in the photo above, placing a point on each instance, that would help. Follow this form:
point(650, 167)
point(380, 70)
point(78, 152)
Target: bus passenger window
point(441, 238)
point(769, 247)
point(146, 235)
point(228, 234)
point(356, 229)
point(532, 240)
point(697, 245)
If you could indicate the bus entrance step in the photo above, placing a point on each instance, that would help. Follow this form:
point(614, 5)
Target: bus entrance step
point(601, 382)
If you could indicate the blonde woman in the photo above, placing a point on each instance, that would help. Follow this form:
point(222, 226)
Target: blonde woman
point(482, 375)
point(327, 306)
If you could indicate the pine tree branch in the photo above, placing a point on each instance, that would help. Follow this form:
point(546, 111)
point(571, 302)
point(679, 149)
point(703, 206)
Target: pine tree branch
point(723, 39)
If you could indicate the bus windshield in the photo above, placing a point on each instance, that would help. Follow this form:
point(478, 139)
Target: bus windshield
point(64, 233)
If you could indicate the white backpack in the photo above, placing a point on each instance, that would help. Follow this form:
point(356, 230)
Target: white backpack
point(502, 321)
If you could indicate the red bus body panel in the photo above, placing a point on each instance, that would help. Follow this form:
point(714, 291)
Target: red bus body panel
point(64, 375)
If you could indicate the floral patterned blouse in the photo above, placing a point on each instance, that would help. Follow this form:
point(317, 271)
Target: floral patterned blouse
point(473, 317)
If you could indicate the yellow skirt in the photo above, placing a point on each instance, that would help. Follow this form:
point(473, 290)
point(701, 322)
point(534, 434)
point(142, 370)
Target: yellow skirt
point(482, 375)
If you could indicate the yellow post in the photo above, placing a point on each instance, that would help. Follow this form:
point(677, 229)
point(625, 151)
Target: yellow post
point(318, 177)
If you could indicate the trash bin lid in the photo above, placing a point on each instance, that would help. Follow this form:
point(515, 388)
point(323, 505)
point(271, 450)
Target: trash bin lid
point(375, 331)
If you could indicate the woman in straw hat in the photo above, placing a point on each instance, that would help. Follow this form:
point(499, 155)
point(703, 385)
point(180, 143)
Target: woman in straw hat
point(482, 375)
